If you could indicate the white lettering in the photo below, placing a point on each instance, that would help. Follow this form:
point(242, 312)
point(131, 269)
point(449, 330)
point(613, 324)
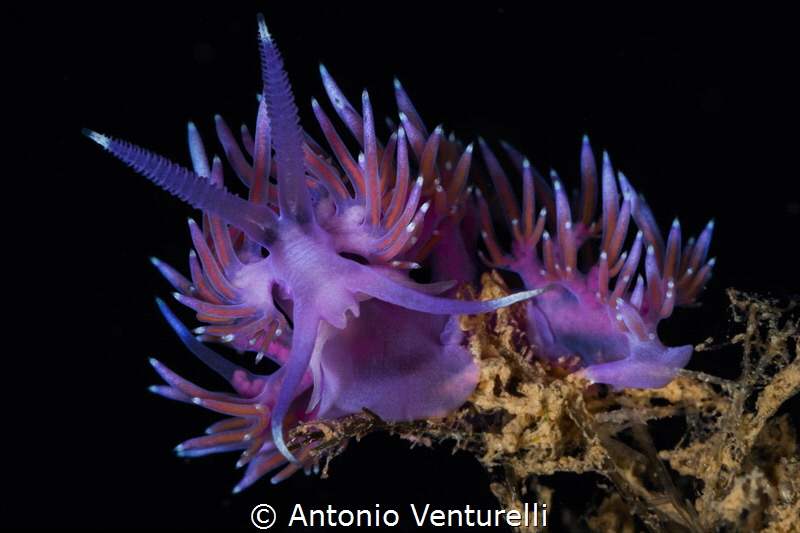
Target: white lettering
point(331, 512)
point(369, 517)
point(450, 514)
point(468, 511)
point(342, 522)
point(345, 517)
point(422, 516)
point(396, 518)
point(321, 517)
point(301, 518)
point(417, 519)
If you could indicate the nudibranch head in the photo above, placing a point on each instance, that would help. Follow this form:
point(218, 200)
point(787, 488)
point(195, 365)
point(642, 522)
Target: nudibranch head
point(600, 317)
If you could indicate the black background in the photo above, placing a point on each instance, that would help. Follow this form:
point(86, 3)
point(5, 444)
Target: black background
point(694, 105)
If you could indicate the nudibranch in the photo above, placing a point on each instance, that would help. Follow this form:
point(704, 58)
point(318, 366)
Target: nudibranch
point(312, 271)
point(596, 319)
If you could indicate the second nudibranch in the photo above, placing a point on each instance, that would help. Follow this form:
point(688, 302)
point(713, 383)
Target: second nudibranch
point(600, 319)
point(312, 271)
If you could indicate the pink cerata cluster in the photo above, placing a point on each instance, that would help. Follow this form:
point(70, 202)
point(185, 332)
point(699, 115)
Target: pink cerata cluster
point(312, 271)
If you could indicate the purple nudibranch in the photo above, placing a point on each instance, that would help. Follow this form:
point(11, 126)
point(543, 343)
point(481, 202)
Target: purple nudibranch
point(312, 271)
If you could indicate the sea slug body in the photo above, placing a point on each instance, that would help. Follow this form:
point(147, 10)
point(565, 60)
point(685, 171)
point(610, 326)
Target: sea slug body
point(601, 320)
point(312, 271)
